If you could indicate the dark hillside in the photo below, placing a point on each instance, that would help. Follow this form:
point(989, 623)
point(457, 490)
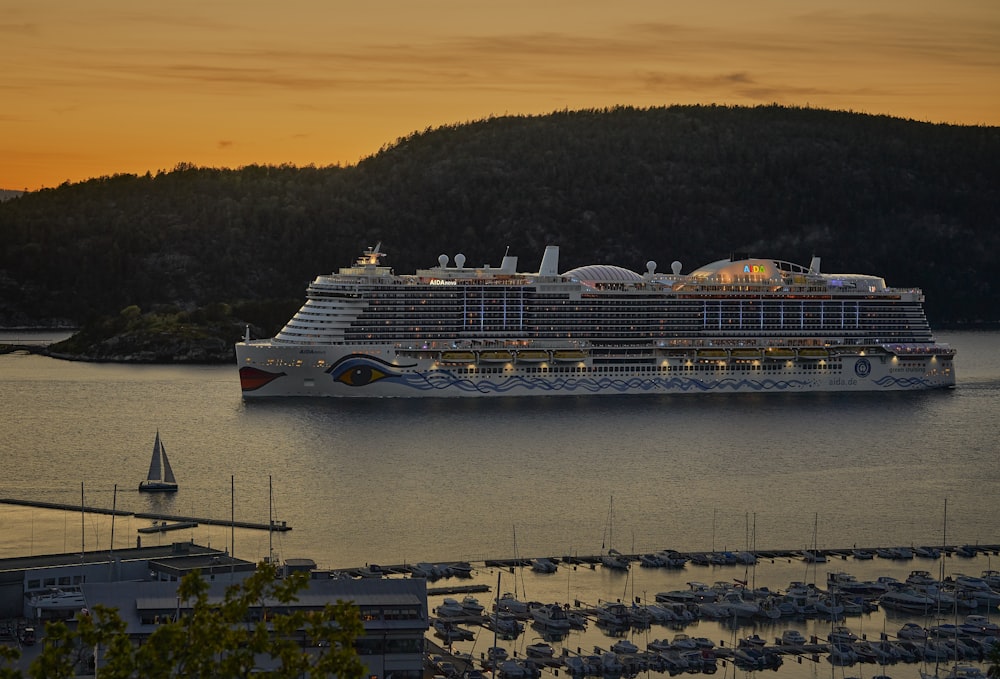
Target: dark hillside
point(914, 202)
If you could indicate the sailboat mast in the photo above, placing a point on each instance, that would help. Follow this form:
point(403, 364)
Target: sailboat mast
point(611, 524)
point(232, 521)
point(114, 506)
point(270, 521)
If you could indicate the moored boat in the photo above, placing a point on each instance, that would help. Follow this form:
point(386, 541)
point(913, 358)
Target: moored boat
point(495, 356)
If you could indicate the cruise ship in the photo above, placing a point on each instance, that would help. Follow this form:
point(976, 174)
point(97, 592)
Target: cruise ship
point(737, 325)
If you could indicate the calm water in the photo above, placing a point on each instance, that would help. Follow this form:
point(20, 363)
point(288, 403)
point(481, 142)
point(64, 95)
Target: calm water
point(397, 481)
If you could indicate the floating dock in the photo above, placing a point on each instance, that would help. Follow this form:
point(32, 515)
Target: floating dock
point(276, 526)
point(163, 527)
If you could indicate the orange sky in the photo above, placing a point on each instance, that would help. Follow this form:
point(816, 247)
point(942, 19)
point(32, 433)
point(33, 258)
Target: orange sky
point(108, 86)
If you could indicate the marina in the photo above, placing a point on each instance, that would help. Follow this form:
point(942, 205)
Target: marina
point(689, 634)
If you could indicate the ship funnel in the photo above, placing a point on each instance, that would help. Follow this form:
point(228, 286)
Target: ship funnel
point(509, 264)
point(814, 265)
point(550, 261)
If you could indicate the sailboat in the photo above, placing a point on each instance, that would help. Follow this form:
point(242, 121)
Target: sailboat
point(959, 670)
point(160, 477)
point(612, 558)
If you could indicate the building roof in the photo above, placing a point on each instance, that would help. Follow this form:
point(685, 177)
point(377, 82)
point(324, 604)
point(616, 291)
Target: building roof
point(159, 552)
point(603, 273)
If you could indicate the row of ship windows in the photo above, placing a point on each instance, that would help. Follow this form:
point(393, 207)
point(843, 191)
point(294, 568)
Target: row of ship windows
point(473, 319)
point(651, 310)
point(874, 334)
point(458, 292)
point(714, 366)
point(655, 309)
point(634, 323)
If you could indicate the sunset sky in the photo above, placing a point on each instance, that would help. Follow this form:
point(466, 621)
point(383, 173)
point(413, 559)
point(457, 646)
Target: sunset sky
point(107, 86)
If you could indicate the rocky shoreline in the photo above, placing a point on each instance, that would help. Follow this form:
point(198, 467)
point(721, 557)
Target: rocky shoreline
point(175, 351)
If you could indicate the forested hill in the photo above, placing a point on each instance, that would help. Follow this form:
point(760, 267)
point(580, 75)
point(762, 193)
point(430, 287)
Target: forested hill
point(916, 203)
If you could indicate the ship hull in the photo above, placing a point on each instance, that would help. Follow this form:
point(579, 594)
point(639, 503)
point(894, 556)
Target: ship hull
point(269, 369)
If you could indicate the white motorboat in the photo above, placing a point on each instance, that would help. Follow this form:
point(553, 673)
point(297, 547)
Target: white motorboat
point(471, 606)
point(992, 578)
point(58, 600)
point(552, 618)
point(615, 561)
point(841, 634)
point(425, 570)
point(504, 624)
point(461, 569)
point(849, 584)
point(739, 607)
point(450, 631)
point(371, 571)
point(920, 578)
point(907, 599)
point(450, 608)
point(509, 603)
point(980, 625)
point(912, 631)
point(543, 565)
point(977, 587)
point(539, 650)
point(613, 614)
point(624, 646)
point(792, 637)
point(683, 641)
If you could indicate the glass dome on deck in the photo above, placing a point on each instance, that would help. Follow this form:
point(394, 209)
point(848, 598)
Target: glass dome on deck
point(603, 273)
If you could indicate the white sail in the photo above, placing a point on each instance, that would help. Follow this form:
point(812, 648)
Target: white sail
point(160, 476)
point(154, 463)
point(168, 473)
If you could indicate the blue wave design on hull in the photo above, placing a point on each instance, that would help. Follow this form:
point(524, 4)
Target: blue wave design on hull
point(904, 382)
point(360, 371)
point(443, 379)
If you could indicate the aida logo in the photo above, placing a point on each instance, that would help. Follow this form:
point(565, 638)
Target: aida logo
point(754, 268)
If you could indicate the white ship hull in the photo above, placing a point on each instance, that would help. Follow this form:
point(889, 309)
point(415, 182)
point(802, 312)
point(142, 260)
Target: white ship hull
point(269, 369)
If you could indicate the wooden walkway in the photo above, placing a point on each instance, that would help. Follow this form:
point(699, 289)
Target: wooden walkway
point(276, 526)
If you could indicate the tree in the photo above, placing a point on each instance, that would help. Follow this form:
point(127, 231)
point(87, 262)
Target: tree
point(253, 627)
point(994, 660)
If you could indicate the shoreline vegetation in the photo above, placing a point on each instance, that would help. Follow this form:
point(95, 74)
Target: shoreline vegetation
point(194, 345)
point(171, 267)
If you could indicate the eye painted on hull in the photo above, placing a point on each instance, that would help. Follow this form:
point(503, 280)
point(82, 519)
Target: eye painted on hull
point(359, 370)
point(360, 375)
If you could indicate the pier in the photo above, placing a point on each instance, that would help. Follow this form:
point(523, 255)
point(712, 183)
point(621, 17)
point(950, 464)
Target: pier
point(190, 521)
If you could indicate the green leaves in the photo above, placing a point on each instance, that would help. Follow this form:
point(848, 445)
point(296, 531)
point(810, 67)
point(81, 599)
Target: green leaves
point(255, 627)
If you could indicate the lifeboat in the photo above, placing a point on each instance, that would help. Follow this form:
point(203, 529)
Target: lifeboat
point(714, 354)
point(495, 356)
point(779, 353)
point(753, 354)
point(532, 356)
point(814, 354)
point(569, 355)
point(458, 357)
